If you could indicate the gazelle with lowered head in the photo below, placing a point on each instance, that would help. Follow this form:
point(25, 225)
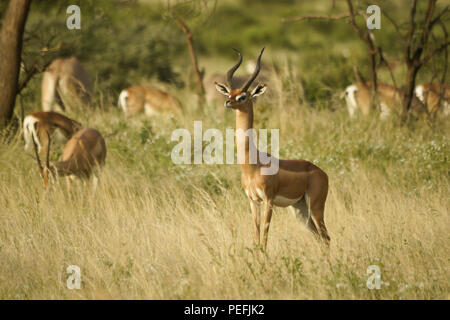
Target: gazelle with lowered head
point(83, 154)
point(39, 126)
point(297, 183)
point(65, 84)
point(358, 99)
point(435, 96)
point(150, 100)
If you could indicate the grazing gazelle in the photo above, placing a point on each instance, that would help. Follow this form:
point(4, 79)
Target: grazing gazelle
point(82, 155)
point(435, 96)
point(152, 101)
point(38, 125)
point(65, 83)
point(358, 96)
point(297, 183)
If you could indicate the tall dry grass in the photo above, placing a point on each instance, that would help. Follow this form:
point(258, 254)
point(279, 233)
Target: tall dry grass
point(155, 230)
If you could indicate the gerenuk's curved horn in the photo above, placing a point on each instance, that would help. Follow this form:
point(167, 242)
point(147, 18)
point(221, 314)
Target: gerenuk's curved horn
point(233, 69)
point(255, 73)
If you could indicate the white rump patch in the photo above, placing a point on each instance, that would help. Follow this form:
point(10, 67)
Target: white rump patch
point(29, 132)
point(350, 99)
point(419, 92)
point(122, 103)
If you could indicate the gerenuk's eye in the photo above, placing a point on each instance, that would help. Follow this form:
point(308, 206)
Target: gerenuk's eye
point(241, 97)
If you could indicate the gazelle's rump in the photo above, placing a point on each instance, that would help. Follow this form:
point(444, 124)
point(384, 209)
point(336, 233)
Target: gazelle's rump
point(352, 105)
point(419, 92)
point(435, 96)
point(149, 100)
point(83, 152)
point(65, 82)
point(122, 103)
point(30, 132)
point(39, 125)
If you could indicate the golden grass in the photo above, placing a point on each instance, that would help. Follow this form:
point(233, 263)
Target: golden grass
point(153, 230)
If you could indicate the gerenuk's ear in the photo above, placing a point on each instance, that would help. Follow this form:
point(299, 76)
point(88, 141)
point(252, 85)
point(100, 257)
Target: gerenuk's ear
point(259, 90)
point(223, 89)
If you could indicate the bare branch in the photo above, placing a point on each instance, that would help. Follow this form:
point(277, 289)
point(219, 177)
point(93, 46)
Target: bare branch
point(442, 47)
point(444, 73)
point(413, 57)
point(36, 68)
point(190, 41)
point(439, 15)
point(427, 27)
point(359, 77)
point(317, 17)
point(30, 73)
point(352, 21)
point(396, 26)
point(365, 36)
point(384, 61)
point(409, 37)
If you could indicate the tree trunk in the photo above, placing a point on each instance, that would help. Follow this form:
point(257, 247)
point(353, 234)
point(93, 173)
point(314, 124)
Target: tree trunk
point(10, 55)
point(409, 88)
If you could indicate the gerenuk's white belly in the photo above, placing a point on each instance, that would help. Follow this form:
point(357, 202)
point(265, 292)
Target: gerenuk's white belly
point(257, 194)
point(281, 201)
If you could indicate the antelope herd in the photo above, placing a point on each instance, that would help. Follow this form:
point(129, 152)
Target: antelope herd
point(429, 98)
point(297, 184)
point(66, 85)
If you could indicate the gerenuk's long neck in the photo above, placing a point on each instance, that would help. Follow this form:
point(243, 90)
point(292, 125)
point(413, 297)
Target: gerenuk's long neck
point(244, 122)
